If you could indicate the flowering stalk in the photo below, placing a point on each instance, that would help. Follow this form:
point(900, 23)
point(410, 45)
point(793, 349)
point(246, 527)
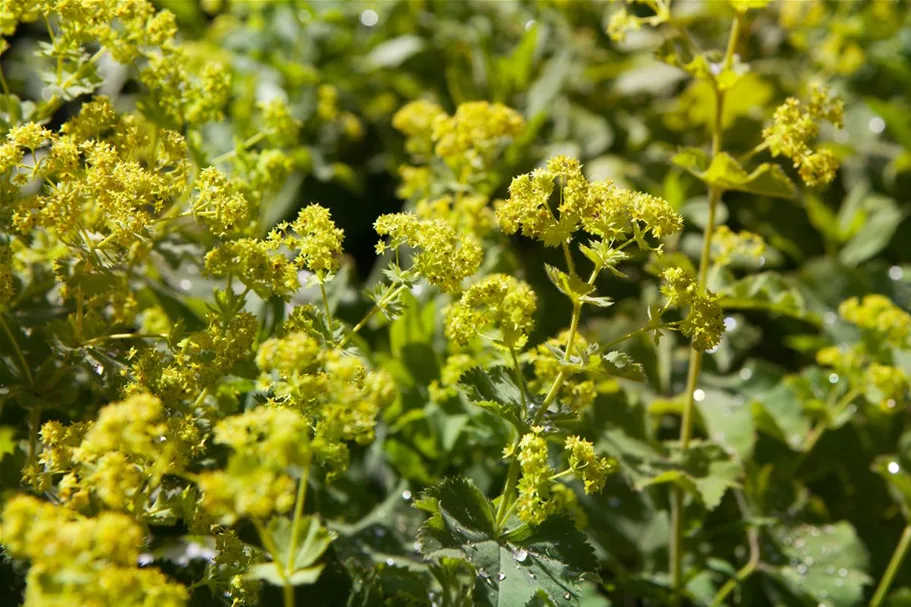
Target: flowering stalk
point(695, 363)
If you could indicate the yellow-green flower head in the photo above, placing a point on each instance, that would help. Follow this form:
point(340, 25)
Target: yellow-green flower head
point(318, 240)
point(447, 386)
point(679, 287)
point(135, 425)
point(498, 301)
point(588, 467)
point(282, 128)
point(273, 434)
point(577, 392)
point(475, 131)
point(888, 386)
point(83, 561)
point(601, 208)
point(443, 257)
point(258, 264)
point(534, 503)
point(704, 323)
point(294, 353)
point(527, 209)
point(219, 205)
point(878, 315)
point(729, 246)
point(415, 120)
point(469, 214)
point(793, 128)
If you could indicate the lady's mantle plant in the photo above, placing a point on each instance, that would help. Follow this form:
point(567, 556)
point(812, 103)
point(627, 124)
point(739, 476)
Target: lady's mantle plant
point(205, 411)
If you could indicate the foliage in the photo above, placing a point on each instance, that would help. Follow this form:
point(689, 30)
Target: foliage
point(603, 303)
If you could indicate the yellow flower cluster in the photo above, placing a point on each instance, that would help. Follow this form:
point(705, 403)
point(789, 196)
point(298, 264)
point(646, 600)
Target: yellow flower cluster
point(83, 561)
point(219, 205)
point(888, 386)
point(729, 246)
point(534, 504)
point(473, 135)
point(623, 21)
point(104, 175)
point(339, 397)
point(120, 458)
point(602, 208)
point(446, 387)
point(442, 257)
point(281, 127)
point(468, 214)
point(577, 391)
point(181, 99)
point(878, 315)
point(704, 323)
point(197, 361)
point(270, 450)
point(795, 125)
point(588, 467)
point(263, 265)
point(499, 301)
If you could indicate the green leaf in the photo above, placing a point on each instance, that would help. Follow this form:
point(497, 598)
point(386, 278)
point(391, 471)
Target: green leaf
point(570, 285)
point(725, 172)
point(496, 390)
point(300, 559)
point(619, 364)
point(876, 233)
point(768, 291)
point(393, 52)
point(528, 562)
point(7, 440)
point(703, 469)
point(827, 562)
point(728, 422)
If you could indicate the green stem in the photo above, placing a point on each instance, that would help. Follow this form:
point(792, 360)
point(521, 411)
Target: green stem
point(23, 365)
point(250, 141)
point(512, 476)
point(894, 564)
point(390, 294)
point(298, 513)
point(322, 290)
point(695, 363)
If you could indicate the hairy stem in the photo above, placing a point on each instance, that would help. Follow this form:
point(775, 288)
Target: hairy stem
point(695, 363)
point(322, 290)
point(894, 564)
point(298, 513)
point(391, 293)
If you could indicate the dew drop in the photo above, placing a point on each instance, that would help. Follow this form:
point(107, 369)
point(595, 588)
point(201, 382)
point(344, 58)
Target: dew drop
point(390, 562)
point(842, 572)
point(893, 467)
point(896, 273)
point(185, 284)
point(406, 494)
point(501, 576)
point(745, 374)
point(698, 395)
point(483, 573)
point(566, 595)
point(833, 378)
point(521, 554)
